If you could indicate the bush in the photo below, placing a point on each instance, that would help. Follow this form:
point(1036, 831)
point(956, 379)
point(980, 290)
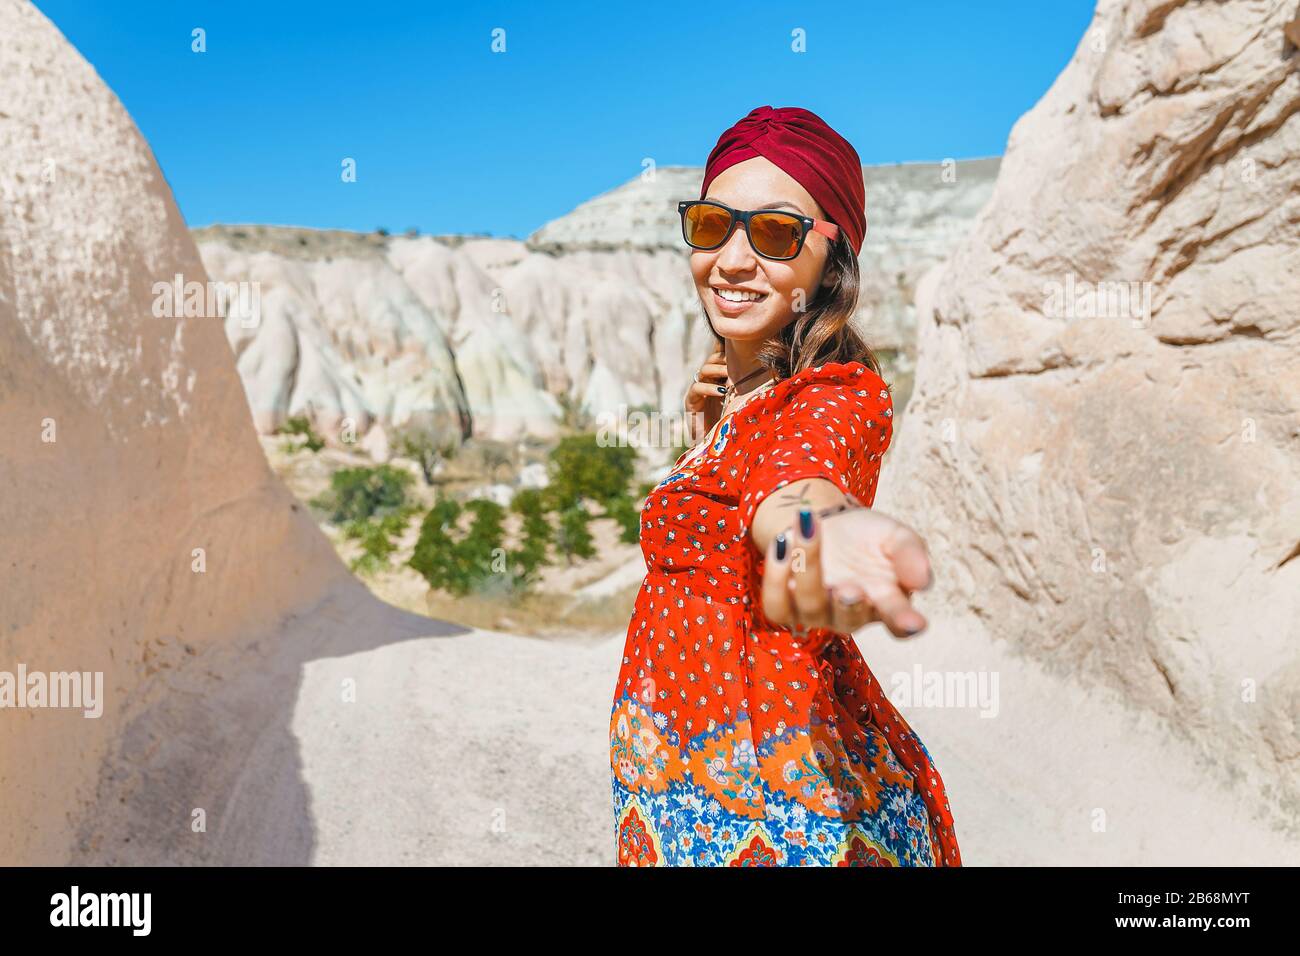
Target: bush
point(356, 494)
point(422, 448)
point(580, 467)
point(301, 425)
point(376, 536)
point(628, 515)
point(434, 555)
point(537, 532)
point(574, 537)
point(473, 562)
point(481, 546)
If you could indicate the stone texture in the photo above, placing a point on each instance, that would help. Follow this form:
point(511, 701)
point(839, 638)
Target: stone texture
point(152, 455)
point(1114, 494)
point(493, 337)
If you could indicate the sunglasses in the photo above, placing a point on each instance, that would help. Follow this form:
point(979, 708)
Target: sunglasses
point(773, 234)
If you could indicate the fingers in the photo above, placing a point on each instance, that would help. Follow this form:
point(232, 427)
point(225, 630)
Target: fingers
point(895, 610)
point(795, 594)
point(699, 393)
point(712, 371)
point(811, 599)
point(776, 582)
point(906, 551)
point(850, 609)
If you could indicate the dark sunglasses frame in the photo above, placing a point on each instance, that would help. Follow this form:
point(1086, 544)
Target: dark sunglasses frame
point(827, 229)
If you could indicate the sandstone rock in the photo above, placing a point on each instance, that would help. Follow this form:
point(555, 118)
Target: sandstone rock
point(494, 337)
point(376, 445)
point(142, 526)
point(497, 493)
point(534, 475)
point(1114, 490)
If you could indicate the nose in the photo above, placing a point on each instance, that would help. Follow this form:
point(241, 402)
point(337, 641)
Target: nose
point(736, 254)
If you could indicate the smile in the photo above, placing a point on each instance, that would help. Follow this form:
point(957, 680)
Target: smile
point(732, 301)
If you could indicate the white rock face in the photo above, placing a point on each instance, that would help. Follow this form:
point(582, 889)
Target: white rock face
point(141, 524)
point(916, 214)
point(534, 476)
point(491, 337)
point(1112, 489)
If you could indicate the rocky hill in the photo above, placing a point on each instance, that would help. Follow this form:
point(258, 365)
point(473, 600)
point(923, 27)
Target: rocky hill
point(1104, 440)
point(464, 335)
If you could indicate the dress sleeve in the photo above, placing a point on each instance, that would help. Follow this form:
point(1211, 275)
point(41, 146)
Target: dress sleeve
point(833, 426)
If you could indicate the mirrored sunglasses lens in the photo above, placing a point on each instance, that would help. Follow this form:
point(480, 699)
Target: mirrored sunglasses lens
point(775, 234)
point(705, 225)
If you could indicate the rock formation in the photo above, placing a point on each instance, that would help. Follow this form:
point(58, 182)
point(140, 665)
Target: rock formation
point(141, 524)
point(258, 705)
point(492, 337)
point(1103, 447)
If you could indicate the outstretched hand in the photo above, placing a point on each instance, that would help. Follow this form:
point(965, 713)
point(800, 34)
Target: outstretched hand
point(844, 572)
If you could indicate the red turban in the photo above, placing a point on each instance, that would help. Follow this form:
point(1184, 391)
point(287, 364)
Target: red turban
point(817, 157)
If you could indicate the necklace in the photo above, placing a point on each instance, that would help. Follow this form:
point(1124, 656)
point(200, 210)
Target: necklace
point(731, 392)
point(723, 422)
point(758, 371)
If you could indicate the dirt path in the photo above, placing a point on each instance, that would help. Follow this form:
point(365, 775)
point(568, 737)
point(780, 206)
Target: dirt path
point(460, 747)
point(475, 747)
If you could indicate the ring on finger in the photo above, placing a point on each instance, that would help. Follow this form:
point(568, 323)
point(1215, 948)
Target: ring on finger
point(853, 608)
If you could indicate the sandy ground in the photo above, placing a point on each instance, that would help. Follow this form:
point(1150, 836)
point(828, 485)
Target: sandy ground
point(1068, 775)
point(472, 747)
point(361, 733)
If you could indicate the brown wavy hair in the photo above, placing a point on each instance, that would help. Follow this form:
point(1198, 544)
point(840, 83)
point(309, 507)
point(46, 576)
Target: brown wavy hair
point(825, 332)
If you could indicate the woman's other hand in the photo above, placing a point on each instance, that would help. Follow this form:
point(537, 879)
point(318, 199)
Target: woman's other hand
point(845, 571)
point(703, 402)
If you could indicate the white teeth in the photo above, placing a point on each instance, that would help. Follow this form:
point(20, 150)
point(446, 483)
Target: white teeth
point(731, 295)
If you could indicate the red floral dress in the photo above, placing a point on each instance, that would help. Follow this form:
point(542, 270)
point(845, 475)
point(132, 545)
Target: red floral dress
point(732, 743)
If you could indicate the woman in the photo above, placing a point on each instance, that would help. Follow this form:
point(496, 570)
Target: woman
point(746, 728)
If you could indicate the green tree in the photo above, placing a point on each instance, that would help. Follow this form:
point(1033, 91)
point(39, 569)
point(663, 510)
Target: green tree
point(531, 554)
point(461, 564)
point(574, 537)
point(434, 557)
point(580, 467)
point(301, 425)
point(376, 536)
point(426, 450)
point(624, 510)
point(359, 493)
point(480, 549)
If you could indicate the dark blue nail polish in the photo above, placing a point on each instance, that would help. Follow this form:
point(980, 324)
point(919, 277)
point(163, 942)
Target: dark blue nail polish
point(805, 522)
point(780, 546)
point(722, 390)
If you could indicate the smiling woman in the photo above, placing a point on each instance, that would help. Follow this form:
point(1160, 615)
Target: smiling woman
point(746, 729)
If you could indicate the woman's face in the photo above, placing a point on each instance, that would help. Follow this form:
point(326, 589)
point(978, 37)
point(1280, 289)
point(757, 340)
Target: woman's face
point(787, 288)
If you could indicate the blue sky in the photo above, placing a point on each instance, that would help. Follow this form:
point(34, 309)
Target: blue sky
point(451, 137)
